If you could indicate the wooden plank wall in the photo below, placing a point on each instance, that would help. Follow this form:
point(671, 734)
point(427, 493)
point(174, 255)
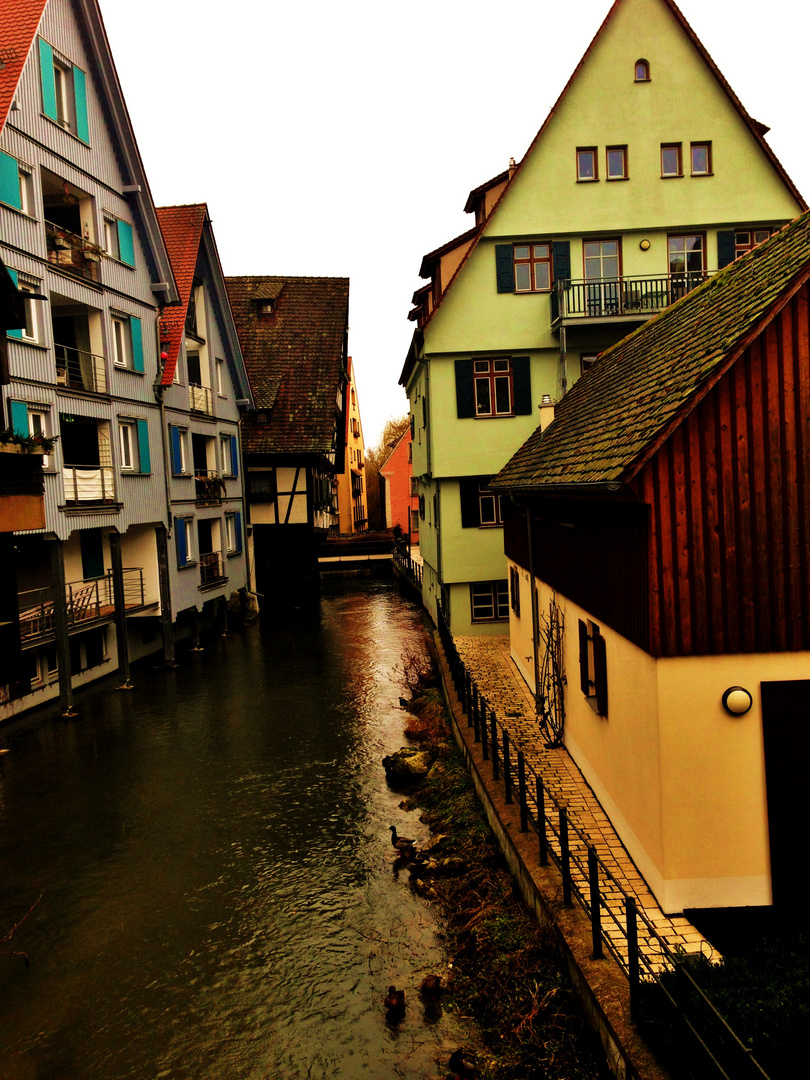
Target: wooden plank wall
point(730, 515)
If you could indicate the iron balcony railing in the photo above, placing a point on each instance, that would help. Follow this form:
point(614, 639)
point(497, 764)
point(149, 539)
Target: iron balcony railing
point(85, 601)
point(212, 569)
point(209, 487)
point(624, 297)
point(80, 370)
point(70, 252)
point(199, 399)
point(88, 483)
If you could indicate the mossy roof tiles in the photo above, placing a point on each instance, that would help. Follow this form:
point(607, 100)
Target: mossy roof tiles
point(641, 388)
point(295, 359)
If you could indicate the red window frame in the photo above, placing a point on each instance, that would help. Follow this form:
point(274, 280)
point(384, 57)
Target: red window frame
point(493, 387)
point(678, 148)
point(538, 261)
point(593, 153)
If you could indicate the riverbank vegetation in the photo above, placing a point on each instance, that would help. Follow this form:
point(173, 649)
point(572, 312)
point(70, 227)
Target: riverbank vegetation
point(505, 973)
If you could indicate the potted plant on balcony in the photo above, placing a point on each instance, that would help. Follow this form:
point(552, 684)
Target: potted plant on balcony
point(91, 251)
point(13, 443)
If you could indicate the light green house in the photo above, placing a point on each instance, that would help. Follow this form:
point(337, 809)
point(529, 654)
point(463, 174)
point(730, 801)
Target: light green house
point(647, 175)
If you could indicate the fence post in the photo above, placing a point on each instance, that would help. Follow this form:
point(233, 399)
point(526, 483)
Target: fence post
point(507, 770)
point(632, 954)
point(596, 902)
point(476, 714)
point(541, 821)
point(524, 810)
point(565, 857)
point(484, 733)
point(494, 744)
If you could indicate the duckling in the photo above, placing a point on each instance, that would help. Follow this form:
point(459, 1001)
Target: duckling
point(395, 1003)
point(431, 987)
point(401, 844)
point(463, 1063)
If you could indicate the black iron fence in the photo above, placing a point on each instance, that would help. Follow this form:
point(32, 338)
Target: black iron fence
point(212, 568)
point(85, 602)
point(630, 297)
point(664, 997)
point(407, 565)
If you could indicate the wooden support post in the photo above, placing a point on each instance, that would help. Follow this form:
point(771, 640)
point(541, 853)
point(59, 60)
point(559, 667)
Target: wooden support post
point(60, 625)
point(120, 609)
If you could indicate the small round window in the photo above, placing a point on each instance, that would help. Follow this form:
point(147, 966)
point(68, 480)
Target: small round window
point(642, 71)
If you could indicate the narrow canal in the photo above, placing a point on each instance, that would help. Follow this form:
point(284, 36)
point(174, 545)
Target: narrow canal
point(212, 864)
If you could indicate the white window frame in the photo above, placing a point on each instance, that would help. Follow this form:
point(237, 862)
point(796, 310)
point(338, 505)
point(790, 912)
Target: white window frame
point(27, 201)
point(39, 424)
point(489, 601)
point(187, 524)
point(226, 447)
point(220, 382)
point(128, 443)
point(32, 331)
point(231, 546)
point(111, 237)
point(121, 340)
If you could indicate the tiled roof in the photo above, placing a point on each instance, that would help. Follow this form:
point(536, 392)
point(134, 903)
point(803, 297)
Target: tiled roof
point(182, 230)
point(294, 359)
point(19, 20)
point(639, 390)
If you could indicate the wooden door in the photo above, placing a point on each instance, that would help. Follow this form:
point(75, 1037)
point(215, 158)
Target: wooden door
point(786, 733)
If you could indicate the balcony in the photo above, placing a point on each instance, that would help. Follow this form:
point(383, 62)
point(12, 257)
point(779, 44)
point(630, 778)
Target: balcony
point(78, 369)
point(71, 253)
point(212, 569)
point(210, 486)
point(626, 299)
point(199, 399)
point(88, 484)
point(87, 602)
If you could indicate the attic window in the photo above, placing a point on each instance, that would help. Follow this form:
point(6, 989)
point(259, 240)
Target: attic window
point(642, 71)
point(267, 307)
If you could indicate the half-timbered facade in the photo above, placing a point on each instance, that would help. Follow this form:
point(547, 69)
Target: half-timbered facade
point(294, 335)
point(628, 197)
point(79, 234)
point(664, 512)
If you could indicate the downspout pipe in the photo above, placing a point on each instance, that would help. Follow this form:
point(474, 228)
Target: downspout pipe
point(533, 593)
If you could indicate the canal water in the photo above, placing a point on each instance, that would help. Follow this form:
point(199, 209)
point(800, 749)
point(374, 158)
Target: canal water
point(208, 869)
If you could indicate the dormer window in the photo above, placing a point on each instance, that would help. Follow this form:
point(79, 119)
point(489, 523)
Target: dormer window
point(642, 71)
point(267, 307)
point(266, 298)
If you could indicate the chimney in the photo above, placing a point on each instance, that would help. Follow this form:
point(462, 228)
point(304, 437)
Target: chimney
point(512, 167)
point(546, 411)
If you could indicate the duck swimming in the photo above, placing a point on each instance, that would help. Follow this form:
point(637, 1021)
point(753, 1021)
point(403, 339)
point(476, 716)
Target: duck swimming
point(463, 1063)
point(395, 1003)
point(401, 844)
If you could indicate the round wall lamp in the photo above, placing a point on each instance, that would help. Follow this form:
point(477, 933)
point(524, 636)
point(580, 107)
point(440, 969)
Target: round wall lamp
point(737, 700)
point(645, 245)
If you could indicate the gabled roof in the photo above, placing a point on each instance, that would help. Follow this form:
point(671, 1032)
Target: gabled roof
point(182, 228)
point(616, 417)
point(19, 22)
point(756, 128)
point(295, 359)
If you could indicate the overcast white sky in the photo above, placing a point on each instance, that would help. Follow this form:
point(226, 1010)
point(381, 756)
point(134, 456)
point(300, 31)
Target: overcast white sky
point(341, 137)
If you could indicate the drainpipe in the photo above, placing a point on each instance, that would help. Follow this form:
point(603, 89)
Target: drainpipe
point(61, 627)
point(533, 597)
point(163, 531)
point(119, 606)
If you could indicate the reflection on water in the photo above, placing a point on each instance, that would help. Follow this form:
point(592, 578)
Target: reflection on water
point(214, 863)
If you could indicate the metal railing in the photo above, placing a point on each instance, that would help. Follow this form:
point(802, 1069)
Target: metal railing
point(70, 252)
point(410, 567)
point(212, 569)
point(200, 400)
point(85, 601)
point(80, 370)
point(662, 991)
point(627, 297)
point(209, 487)
point(88, 483)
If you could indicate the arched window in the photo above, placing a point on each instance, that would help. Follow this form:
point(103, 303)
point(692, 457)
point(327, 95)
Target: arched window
point(642, 71)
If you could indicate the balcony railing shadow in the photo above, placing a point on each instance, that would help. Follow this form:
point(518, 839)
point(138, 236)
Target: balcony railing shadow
point(212, 569)
point(86, 602)
point(209, 487)
point(88, 484)
point(78, 369)
point(199, 399)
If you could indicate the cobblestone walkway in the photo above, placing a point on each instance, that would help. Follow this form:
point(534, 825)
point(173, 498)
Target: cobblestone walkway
point(488, 661)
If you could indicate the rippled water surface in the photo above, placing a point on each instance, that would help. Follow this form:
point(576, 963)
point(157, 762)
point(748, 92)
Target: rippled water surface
point(218, 896)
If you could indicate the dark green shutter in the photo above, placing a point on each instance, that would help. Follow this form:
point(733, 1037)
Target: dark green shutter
point(504, 268)
point(80, 100)
point(10, 181)
point(14, 333)
point(136, 333)
point(468, 495)
point(180, 538)
point(234, 457)
point(126, 244)
point(143, 447)
point(91, 545)
point(177, 457)
point(584, 673)
point(726, 248)
point(465, 390)
point(47, 80)
point(600, 673)
point(561, 255)
point(19, 418)
point(522, 382)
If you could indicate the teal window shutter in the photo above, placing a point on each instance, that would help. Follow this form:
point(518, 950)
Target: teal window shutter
point(136, 333)
point(237, 528)
point(15, 333)
point(465, 395)
point(234, 457)
point(47, 80)
point(504, 268)
point(126, 245)
point(19, 418)
point(80, 99)
point(10, 181)
point(143, 447)
point(177, 459)
point(522, 382)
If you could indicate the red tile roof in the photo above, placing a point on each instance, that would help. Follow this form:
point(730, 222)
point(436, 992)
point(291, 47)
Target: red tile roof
point(19, 20)
point(182, 228)
point(295, 359)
